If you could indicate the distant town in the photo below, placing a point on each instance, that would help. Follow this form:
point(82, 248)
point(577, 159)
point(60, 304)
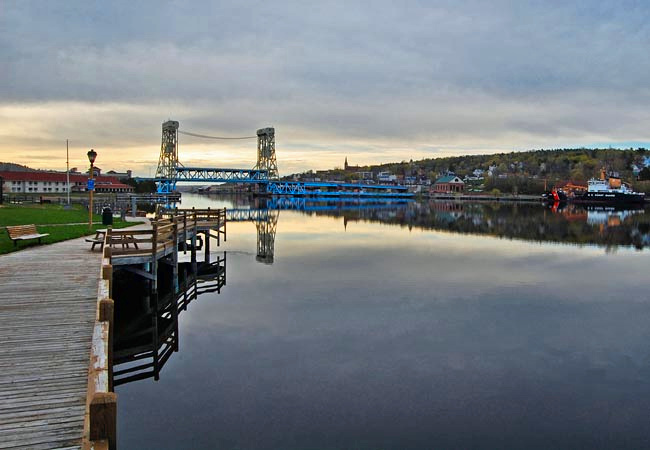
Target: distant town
point(530, 172)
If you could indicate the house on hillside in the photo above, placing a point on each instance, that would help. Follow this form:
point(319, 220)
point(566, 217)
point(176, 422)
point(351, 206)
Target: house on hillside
point(386, 177)
point(365, 175)
point(448, 184)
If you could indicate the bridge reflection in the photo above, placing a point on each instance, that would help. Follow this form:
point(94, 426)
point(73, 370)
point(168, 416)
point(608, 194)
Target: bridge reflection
point(264, 212)
point(146, 325)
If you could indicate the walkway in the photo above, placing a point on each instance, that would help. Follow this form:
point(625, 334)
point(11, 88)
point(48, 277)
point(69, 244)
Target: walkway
point(48, 303)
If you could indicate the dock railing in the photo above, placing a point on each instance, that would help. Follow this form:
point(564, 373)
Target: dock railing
point(100, 429)
point(204, 219)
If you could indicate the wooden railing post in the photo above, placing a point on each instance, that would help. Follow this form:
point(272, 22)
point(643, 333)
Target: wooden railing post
point(184, 232)
point(107, 314)
point(107, 268)
point(175, 229)
point(107, 274)
point(101, 402)
point(225, 236)
point(154, 252)
point(103, 418)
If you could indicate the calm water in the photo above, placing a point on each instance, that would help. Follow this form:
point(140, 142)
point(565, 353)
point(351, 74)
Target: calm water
point(411, 326)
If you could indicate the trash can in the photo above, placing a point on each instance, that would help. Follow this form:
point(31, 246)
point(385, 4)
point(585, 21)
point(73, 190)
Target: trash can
point(107, 216)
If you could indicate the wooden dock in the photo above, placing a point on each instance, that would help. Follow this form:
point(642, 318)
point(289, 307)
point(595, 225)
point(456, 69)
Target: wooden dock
point(141, 251)
point(48, 306)
point(56, 328)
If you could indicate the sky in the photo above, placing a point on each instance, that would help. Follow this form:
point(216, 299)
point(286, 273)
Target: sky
point(374, 81)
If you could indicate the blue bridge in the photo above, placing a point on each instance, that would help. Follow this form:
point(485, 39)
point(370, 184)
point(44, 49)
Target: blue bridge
point(264, 175)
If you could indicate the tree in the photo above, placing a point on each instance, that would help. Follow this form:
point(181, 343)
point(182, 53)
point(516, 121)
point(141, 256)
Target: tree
point(644, 175)
point(142, 187)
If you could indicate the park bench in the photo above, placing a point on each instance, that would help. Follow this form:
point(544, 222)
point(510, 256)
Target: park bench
point(23, 233)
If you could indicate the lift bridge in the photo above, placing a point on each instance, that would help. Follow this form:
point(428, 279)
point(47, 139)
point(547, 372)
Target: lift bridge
point(265, 173)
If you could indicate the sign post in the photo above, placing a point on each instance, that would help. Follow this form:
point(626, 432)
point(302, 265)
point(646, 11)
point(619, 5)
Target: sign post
point(90, 187)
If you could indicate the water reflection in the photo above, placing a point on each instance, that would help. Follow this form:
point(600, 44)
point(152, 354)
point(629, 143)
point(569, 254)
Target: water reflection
point(571, 224)
point(381, 337)
point(609, 227)
point(266, 238)
point(146, 325)
point(264, 212)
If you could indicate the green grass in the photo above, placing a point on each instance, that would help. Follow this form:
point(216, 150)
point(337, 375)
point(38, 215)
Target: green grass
point(49, 214)
point(43, 214)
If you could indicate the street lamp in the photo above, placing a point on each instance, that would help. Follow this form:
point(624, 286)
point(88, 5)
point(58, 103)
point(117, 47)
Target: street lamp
point(92, 154)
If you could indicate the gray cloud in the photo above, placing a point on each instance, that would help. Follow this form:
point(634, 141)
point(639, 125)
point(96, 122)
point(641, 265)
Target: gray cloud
point(501, 75)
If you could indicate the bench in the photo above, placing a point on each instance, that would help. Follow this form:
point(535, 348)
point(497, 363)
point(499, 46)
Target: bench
point(24, 232)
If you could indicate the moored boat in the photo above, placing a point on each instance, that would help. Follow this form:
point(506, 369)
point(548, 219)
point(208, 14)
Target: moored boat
point(554, 196)
point(609, 189)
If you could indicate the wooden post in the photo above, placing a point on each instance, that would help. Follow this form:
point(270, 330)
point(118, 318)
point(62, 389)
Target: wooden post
point(184, 232)
point(175, 317)
point(175, 257)
point(107, 274)
point(207, 246)
point(154, 253)
point(154, 339)
point(107, 314)
point(225, 236)
point(103, 418)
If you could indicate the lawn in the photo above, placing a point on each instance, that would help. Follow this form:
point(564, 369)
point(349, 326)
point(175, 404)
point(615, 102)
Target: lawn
point(76, 220)
point(43, 214)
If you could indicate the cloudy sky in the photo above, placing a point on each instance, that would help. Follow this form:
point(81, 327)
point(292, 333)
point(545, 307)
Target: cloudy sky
point(374, 81)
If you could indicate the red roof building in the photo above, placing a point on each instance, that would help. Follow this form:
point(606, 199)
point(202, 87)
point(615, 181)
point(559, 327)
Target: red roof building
point(38, 182)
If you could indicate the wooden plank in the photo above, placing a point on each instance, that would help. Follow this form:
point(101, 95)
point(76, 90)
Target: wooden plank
point(48, 304)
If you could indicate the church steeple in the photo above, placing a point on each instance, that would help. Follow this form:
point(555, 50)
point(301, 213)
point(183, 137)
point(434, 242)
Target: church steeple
point(346, 163)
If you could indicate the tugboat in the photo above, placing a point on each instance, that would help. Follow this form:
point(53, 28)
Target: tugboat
point(609, 190)
point(554, 196)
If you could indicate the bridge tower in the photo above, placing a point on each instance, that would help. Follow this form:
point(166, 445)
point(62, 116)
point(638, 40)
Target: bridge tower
point(168, 160)
point(266, 152)
point(266, 237)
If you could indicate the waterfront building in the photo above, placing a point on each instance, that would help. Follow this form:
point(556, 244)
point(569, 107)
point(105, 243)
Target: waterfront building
point(39, 182)
point(448, 184)
point(386, 177)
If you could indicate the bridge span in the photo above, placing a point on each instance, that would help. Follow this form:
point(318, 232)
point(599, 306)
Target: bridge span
point(265, 173)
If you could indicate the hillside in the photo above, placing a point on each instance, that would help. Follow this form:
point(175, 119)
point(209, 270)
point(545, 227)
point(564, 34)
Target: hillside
point(15, 167)
point(523, 172)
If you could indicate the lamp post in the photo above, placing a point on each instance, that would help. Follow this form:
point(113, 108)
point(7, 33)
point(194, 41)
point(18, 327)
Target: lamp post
point(92, 154)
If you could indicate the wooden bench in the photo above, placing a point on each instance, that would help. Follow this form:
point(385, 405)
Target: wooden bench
point(24, 232)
